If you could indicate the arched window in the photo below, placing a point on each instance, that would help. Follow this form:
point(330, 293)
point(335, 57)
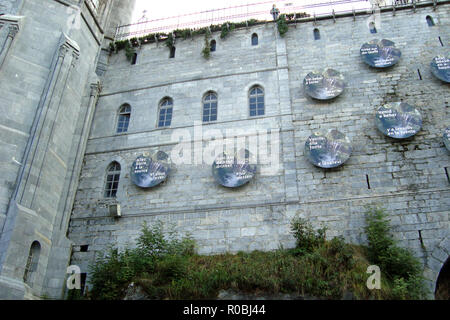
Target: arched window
point(32, 263)
point(430, 21)
point(112, 180)
point(124, 118)
point(254, 39)
point(210, 107)
point(256, 101)
point(165, 113)
point(172, 52)
point(372, 27)
point(213, 45)
point(316, 34)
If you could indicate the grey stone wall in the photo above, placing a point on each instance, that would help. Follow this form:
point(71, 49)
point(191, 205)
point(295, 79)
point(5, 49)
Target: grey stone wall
point(47, 105)
point(406, 177)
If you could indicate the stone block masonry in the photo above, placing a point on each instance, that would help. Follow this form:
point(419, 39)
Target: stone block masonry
point(406, 177)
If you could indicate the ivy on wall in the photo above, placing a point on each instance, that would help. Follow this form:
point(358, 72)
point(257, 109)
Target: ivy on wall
point(225, 29)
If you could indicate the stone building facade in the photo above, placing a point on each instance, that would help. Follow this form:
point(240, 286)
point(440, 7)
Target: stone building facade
point(49, 86)
point(409, 178)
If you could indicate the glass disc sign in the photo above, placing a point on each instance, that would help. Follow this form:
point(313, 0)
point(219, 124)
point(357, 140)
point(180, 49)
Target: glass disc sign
point(440, 67)
point(324, 85)
point(398, 120)
point(328, 149)
point(148, 172)
point(380, 53)
point(233, 171)
point(446, 138)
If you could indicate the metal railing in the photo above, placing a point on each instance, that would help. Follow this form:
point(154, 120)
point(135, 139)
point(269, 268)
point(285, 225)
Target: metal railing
point(259, 11)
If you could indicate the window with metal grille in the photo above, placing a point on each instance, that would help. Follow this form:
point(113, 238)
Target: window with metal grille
point(256, 101)
point(165, 113)
point(210, 107)
point(32, 263)
point(112, 180)
point(124, 118)
point(254, 39)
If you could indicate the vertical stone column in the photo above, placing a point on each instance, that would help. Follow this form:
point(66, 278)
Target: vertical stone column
point(287, 138)
point(64, 62)
point(12, 24)
point(93, 98)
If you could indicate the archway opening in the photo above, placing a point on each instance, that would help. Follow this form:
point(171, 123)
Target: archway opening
point(443, 283)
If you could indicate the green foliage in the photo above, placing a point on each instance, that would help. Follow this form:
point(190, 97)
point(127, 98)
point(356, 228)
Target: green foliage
point(170, 41)
point(206, 52)
point(129, 51)
point(226, 29)
point(182, 33)
point(282, 25)
point(397, 263)
point(307, 239)
point(166, 267)
point(154, 254)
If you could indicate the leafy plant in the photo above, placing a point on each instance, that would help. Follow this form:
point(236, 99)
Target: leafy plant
point(170, 41)
point(306, 237)
point(129, 51)
point(226, 29)
point(207, 49)
point(397, 263)
point(282, 25)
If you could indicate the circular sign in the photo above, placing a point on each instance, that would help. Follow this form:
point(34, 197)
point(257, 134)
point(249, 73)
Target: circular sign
point(440, 67)
point(380, 53)
point(446, 138)
point(148, 172)
point(233, 171)
point(324, 85)
point(328, 149)
point(398, 120)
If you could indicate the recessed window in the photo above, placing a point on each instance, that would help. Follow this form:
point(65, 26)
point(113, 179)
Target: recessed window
point(124, 118)
point(112, 180)
point(430, 21)
point(372, 27)
point(84, 248)
point(32, 263)
point(172, 52)
point(134, 59)
point(213, 45)
point(256, 101)
point(254, 39)
point(316, 34)
point(210, 107)
point(165, 113)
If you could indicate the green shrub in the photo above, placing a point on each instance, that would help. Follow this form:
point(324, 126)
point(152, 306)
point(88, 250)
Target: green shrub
point(206, 52)
point(306, 237)
point(156, 253)
point(397, 263)
point(282, 25)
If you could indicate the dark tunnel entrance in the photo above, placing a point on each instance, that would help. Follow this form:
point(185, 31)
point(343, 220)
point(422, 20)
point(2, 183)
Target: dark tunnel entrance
point(443, 282)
